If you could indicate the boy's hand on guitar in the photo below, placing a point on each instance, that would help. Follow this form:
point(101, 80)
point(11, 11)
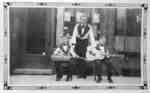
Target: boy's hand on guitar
point(76, 56)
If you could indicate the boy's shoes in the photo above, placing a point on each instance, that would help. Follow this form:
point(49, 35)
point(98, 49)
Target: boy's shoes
point(58, 79)
point(68, 78)
point(79, 76)
point(110, 80)
point(98, 80)
point(82, 76)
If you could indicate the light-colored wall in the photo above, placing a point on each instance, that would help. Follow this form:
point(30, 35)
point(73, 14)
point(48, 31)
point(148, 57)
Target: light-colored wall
point(1, 47)
point(148, 45)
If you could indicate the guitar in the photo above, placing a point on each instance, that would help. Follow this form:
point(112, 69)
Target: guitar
point(94, 54)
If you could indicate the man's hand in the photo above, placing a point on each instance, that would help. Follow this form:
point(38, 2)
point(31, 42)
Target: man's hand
point(75, 55)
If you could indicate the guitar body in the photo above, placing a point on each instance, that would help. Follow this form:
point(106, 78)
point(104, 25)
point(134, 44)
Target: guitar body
point(94, 54)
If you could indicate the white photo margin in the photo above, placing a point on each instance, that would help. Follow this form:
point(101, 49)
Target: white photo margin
point(7, 41)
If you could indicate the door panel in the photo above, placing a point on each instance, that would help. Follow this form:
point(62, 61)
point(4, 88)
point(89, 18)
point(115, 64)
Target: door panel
point(17, 28)
point(32, 37)
point(36, 33)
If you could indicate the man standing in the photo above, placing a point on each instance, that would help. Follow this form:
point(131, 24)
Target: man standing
point(81, 38)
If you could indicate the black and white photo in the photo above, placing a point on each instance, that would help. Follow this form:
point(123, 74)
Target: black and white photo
point(76, 45)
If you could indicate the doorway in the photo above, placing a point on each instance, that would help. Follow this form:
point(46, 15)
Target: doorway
point(32, 39)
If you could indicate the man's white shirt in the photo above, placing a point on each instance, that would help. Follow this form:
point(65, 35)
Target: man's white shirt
point(89, 35)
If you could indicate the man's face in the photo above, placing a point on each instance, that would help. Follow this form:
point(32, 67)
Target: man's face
point(84, 19)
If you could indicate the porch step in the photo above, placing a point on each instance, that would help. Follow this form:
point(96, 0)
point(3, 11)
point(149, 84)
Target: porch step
point(30, 71)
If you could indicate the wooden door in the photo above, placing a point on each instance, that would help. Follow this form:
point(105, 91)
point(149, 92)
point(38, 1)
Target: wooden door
point(32, 37)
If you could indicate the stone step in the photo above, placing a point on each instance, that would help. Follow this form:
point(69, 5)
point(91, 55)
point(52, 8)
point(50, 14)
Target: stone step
point(30, 71)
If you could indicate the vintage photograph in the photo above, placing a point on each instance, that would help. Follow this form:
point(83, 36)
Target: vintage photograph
point(69, 46)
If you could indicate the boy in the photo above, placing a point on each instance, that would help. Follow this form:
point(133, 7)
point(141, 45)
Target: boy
point(62, 51)
point(98, 55)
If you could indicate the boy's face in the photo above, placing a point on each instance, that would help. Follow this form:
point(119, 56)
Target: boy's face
point(66, 42)
point(65, 46)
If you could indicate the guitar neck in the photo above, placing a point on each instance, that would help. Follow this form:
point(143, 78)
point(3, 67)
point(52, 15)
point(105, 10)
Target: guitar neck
point(82, 58)
point(115, 55)
point(111, 55)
